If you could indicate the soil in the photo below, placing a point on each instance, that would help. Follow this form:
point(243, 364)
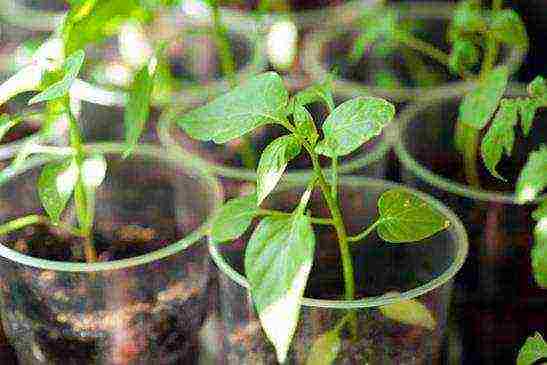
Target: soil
point(146, 314)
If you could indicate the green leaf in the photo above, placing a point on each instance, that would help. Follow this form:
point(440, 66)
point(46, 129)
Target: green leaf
point(353, 123)
point(55, 186)
point(500, 136)
point(538, 87)
point(305, 126)
point(233, 218)
point(467, 18)
point(259, 101)
point(534, 349)
point(464, 56)
point(321, 92)
point(137, 108)
point(278, 260)
point(71, 68)
point(325, 349)
point(273, 162)
point(506, 26)
point(404, 217)
point(539, 249)
point(480, 104)
point(409, 311)
point(463, 135)
point(527, 111)
point(7, 123)
point(533, 176)
point(93, 171)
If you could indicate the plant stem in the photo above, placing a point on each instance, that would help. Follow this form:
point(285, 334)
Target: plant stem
point(314, 220)
point(33, 219)
point(334, 172)
point(225, 53)
point(365, 233)
point(424, 47)
point(470, 157)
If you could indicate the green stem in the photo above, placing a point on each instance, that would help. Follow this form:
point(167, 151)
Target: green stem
point(314, 220)
point(226, 56)
point(470, 157)
point(334, 172)
point(247, 153)
point(365, 233)
point(424, 47)
point(33, 219)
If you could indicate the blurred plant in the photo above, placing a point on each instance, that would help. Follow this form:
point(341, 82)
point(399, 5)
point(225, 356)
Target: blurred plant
point(533, 350)
point(279, 254)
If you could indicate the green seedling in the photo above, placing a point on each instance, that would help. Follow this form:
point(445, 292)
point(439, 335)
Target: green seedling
point(279, 254)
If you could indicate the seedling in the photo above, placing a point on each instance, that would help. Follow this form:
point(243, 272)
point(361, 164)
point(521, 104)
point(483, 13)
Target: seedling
point(279, 254)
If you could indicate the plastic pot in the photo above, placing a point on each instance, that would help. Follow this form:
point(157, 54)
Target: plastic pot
point(500, 301)
point(145, 299)
point(329, 49)
point(423, 272)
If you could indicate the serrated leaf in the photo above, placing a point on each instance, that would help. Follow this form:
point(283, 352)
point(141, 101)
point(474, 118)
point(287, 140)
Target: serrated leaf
point(409, 311)
point(137, 108)
point(55, 186)
point(404, 217)
point(233, 218)
point(273, 162)
point(506, 26)
point(533, 176)
point(278, 260)
point(325, 349)
point(534, 349)
point(257, 102)
point(71, 68)
point(527, 110)
point(538, 87)
point(539, 249)
point(354, 123)
point(93, 171)
point(321, 92)
point(463, 56)
point(305, 126)
point(6, 123)
point(500, 136)
point(479, 105)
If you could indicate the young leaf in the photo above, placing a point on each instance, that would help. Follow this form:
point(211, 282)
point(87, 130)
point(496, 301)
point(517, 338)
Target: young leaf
point(533, 350)
point(500, 136)
point(278, 260)
point(273, 162)
point(318, 92)
point(464, 56)
point(533, 176)
point(305, 126)
point(55, 186)
point(7, 123)
point(506, 26)
point(93, 171)
point(538, 87)
point(233, 218)
point(137, 108)
point(71, 69)
point(325, 349)
point(353, 123)
point(259, 101)
point(480, 104)
point(404, 217)
point(539, 249)
point(467, 17)
point(527, 111)
point(409, 311)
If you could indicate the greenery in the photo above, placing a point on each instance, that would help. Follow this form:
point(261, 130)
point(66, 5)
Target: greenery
point(279, 254)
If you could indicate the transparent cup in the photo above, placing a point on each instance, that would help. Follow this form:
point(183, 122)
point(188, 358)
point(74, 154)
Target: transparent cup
point(145, 300)
point(423, 272)
point(496, 281)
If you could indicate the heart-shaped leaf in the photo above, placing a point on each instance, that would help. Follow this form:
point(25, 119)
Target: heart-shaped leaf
point(353, 123)
point(325, 349)
point(233, 218)
point(533, 176)
point(257, 102)
point(409, 311)
point(278, 260)
point(273, 162)
point(533, 350)
point(71, 68)
point(404, 217)
point(480, 104)
point(55, 186)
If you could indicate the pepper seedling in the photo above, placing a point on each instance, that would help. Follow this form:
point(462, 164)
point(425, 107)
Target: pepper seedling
point(286, 240)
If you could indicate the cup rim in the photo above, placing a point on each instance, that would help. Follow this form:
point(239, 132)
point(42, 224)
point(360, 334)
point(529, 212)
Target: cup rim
point(409, 162)
point(459, 258)
point(166, 122)
point(314, 43)
point(216, 197)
